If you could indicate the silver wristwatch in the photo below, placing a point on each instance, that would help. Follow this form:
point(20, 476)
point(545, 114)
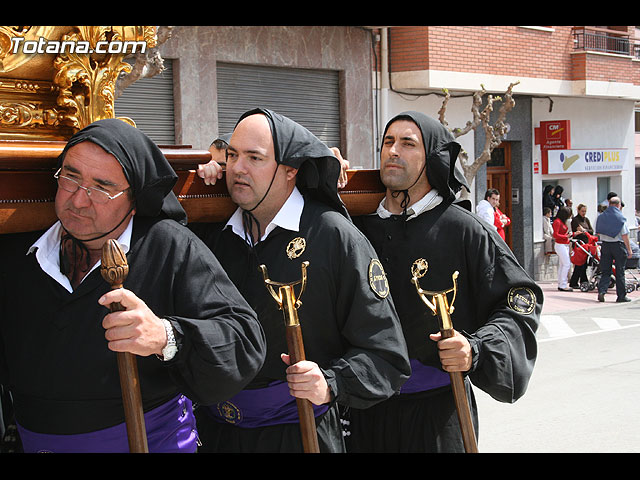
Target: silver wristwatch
point(170, 350)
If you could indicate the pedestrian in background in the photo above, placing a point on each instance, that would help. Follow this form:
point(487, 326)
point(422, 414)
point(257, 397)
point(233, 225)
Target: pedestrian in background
point(562, 237)
point(612, 228)
point(558, 200)
point(486, 208)
point(586, 246)
point(500, 220)
point(212, 171)
point(581, 219)
point(547, 231)
point(547, 199)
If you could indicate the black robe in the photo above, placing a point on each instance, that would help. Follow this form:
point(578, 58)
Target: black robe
point(497, 307)
point(54, 355)
point(352, 333)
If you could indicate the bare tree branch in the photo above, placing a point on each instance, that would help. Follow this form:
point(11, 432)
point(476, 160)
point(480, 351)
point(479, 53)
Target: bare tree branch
point(443, 108)
point(494, 134)
point(145, 65)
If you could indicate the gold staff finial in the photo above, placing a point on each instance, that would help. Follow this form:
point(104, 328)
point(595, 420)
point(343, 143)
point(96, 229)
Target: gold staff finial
point(276, 295)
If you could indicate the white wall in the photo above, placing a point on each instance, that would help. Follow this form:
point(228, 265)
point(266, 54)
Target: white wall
point(595, 123)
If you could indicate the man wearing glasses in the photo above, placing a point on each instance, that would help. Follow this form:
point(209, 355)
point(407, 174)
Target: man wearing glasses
point(89, 218)
point(195, 337)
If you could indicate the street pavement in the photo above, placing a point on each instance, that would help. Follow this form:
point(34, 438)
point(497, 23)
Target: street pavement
point(556, 301)
point(582, 397)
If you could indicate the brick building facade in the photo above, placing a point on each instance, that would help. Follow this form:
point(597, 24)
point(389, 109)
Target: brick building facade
point(586, 75)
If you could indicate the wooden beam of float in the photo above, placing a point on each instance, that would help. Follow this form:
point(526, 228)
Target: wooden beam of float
point(27, 186)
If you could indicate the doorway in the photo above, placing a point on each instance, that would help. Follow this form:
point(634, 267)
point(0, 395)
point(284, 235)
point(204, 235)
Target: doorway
point(499, 177)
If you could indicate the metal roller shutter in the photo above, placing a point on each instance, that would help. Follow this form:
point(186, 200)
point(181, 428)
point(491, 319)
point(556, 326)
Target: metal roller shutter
point(309, 97)
point(149, 103)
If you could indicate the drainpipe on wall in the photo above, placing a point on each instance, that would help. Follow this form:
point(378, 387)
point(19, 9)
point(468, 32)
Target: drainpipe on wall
point(384, 77)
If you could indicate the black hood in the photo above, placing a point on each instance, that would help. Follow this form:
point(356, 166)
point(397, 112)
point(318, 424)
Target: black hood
point(297, 147)
point(441, 151)
point(148, 172)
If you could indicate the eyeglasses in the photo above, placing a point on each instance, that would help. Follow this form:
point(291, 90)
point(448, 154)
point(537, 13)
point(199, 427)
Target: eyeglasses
point(95, 194)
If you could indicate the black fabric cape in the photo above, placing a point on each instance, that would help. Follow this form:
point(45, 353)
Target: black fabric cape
point(53, 353)
point(339, 308)
point(497, 307)
point(349, 331)
point(491, 284)
point(498, 304)
point(352, 333)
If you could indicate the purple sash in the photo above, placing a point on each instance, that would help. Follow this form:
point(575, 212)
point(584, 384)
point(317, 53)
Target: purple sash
point(260, 407)
point(424, 378)
point(171, 428)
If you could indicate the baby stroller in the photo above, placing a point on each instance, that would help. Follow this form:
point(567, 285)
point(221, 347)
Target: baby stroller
point(589, 253)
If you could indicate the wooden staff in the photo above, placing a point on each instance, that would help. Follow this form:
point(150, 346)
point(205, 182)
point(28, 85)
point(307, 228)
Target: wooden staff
point(440, 307)
point(114, 270)
point(289, 305)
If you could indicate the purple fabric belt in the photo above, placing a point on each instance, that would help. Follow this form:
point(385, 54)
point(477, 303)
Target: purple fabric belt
point(424, 378)
point(260, 407)
point(171, 428)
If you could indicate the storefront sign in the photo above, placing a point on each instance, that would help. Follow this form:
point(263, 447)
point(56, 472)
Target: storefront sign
point(552, 135)
point(586, 160)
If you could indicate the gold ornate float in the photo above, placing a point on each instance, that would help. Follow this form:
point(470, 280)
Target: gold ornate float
point(54, 81)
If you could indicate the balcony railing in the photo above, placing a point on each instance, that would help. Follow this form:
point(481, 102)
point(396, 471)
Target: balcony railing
point(606, 41)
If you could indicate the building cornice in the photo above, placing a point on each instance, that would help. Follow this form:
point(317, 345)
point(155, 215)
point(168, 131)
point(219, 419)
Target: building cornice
point(428, 81)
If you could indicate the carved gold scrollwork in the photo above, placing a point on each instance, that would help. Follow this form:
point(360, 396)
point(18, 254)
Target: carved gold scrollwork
point(82, 83)
point(87, 81)
point(27, 115)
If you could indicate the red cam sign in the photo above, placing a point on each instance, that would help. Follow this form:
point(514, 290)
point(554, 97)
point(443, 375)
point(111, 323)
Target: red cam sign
point(552, 135)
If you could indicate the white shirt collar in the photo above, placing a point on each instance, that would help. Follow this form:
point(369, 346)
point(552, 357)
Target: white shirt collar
point(47, 249)
point(288, 217)
point(429, 201)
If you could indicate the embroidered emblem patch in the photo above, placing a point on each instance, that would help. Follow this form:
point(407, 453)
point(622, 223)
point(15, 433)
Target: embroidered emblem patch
point(296, 247)
point(378, 279)
point(229, 412)
point(419, 268)
point(521, 300)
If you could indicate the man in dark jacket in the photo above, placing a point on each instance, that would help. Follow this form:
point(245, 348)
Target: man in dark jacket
point(195, 337)
point(284, 181)
point(497, 305)
point(611, 226)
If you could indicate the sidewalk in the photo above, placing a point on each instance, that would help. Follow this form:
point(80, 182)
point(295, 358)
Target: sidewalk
point(556, 301)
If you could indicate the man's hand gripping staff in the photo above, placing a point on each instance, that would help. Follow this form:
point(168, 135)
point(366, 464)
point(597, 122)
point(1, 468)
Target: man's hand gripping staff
point(289, 305)
point(440, 306)
point(114, 269)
